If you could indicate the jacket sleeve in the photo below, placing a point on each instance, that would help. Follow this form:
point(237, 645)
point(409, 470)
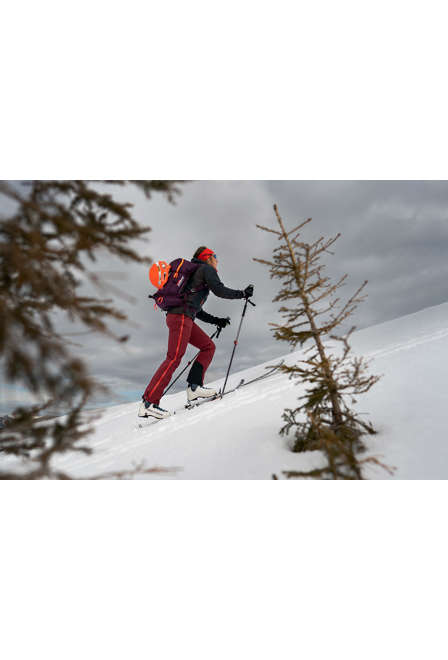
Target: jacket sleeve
point(217, 287)
point(204, 316)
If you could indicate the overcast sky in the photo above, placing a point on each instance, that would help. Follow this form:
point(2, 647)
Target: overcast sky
point(394, 234)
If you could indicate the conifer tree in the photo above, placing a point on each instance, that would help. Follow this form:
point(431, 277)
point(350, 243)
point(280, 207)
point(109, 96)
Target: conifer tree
point(313, 315)
point(45, 237)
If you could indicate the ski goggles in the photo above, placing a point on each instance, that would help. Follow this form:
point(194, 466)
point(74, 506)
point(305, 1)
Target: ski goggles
point(206, 254)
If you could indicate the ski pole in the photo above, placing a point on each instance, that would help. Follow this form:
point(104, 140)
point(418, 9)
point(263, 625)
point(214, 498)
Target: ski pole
point(216, 333)
point(236, 342)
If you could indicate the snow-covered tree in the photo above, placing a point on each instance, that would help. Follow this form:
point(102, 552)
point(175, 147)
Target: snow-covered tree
point(314, 314)
point(48, 229)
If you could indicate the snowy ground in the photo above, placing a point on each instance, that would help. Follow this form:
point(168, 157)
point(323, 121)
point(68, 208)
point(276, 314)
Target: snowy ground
point(237, 437)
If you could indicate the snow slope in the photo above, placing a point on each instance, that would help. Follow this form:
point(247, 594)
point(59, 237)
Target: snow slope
point(237, 437)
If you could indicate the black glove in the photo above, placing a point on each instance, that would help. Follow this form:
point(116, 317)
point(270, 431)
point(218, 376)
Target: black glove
point(221, 323)
point(249, 291)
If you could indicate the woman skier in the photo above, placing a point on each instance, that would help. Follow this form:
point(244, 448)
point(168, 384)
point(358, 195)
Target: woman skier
point(183, 331)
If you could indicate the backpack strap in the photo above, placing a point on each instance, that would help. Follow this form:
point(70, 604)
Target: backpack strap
point(178, 269)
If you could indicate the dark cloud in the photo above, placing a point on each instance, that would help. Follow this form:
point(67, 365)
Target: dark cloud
point(393, 233)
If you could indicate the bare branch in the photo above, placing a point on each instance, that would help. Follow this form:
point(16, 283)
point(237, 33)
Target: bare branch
point(325, 422)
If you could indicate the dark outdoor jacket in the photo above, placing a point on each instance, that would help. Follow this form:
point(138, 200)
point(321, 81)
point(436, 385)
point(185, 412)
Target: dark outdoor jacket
point(204, 280)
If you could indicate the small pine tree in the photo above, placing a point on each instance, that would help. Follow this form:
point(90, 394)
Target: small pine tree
point(322, 420)
point(52, 227)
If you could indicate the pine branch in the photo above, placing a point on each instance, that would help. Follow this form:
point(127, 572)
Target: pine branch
point(273, 231)
point(44, 242)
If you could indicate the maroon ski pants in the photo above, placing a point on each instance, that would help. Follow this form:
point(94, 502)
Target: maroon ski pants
point(183, 331)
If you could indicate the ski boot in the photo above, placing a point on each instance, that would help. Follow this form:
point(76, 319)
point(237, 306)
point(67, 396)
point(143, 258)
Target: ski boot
point(148, 409)
point(199, 392)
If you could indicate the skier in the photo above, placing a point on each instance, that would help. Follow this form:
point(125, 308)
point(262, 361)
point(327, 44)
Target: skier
point(183, 331)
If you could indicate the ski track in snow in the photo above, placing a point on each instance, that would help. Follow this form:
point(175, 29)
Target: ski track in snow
point(407, 345)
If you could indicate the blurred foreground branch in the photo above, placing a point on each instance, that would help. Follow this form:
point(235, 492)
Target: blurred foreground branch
point(50, 230)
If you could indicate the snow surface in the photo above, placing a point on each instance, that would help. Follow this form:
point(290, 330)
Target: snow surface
point(237, 437)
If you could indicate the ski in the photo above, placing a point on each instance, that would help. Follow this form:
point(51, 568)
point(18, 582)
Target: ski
point(266, 375)
point(242, 383)
point(146, 422)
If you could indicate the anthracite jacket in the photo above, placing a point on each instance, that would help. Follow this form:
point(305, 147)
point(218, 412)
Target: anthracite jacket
point(204, 280)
